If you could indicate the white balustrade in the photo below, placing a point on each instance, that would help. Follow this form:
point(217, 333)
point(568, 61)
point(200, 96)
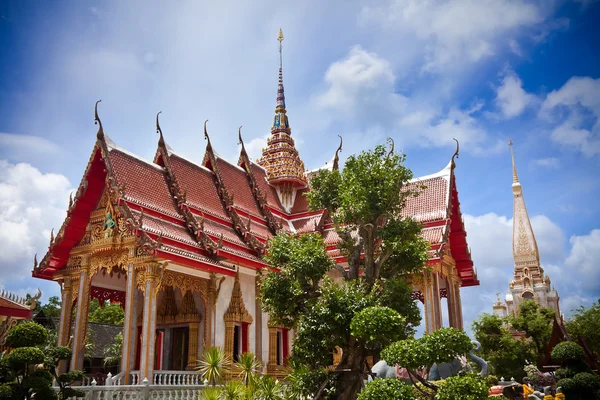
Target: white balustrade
point(176, 378)
point(139, 392)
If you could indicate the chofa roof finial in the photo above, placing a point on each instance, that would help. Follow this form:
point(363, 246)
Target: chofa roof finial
point(456, 152)
point(100, 134)
point(161, 140)
point(336, 158)
point(391, 142)
point(206, 135)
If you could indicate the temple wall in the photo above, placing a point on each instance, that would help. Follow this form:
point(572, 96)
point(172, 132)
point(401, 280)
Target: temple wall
point(221, 308)
point(265, 338)
point(249, 295)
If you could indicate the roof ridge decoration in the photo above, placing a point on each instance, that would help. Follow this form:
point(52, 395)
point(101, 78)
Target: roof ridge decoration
point(280, 158)
point(227, 200)
point(259, 197)
point(100, 133)
point(336, 157)
point(30, 303)
point(195, 227)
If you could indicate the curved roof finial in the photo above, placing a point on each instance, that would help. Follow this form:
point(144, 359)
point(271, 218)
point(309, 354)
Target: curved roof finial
point(336, 158)
point(240, 139)
point(206, 135)
point(391, 142)
point(100, 134)
point(456, 152)
point(161, 140)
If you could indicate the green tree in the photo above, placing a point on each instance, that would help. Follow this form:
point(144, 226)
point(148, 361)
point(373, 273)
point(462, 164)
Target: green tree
point(382, 248)
point(111, 314)
point(536, 322)
point(28, 371)
point(586, 323)
point(505, 355)
point(113, 352)
point(441, 346)
point(577, 381)
point(386, 389)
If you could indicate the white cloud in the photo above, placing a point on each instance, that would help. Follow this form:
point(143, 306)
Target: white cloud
point(549, 162)
point(31, 204)
point(511, 98)
point(515, 48)
point(577, 106)
point(25, 147)
point(358, 77)
point(583, 260)
point(455, 32)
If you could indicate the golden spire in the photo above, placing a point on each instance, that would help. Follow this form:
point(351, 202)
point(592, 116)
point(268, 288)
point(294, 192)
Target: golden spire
point(515, 176)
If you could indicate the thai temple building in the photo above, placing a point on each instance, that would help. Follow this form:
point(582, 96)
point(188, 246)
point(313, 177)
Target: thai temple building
point(180, 246)
point(529, 280)
point(14, 309)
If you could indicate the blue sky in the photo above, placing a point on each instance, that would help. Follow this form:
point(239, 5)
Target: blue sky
point(422, 72)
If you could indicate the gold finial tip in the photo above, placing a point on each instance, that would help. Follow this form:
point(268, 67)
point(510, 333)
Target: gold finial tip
point(510, 142)
point(280, 35)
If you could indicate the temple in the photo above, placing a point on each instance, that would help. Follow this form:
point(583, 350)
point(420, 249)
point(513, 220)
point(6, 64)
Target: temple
point(180, 246)
point(529, 281)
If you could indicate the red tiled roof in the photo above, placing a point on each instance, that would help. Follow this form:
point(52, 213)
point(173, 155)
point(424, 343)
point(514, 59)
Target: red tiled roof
point(137, 175)
point(236, 182)
point(307, 224)
point(199, 185)
point(10, 304)
point(301, 202)
point(434, 235)
point(432, 203)
point(267, 190)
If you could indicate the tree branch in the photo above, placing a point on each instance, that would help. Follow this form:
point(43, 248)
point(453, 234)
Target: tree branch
point(341, 270)
point(423, 381)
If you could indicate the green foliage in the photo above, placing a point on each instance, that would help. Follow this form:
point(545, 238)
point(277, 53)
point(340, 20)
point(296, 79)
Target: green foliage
point(567, 351)
point(586, 323)
point(395, 293)
point(233, 390)
point(268, 388)
point(19, 359)
point(386, 389)
point(8, 391)
point(565, 372)
point(536, 322)
point(27, 334)
point(303, 382)
point(582, 386)
point(214, 365)
point(440, 346)
point(112, 353)
point(210, 393)
point(111, 314)
point(504, 354)
point(468, 387)
point(378, 326)
point(491, 380)
point(246, 366)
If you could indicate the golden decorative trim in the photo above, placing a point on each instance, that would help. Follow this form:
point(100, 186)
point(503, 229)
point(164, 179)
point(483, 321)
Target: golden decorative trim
point(237, 312)
point(186, 282)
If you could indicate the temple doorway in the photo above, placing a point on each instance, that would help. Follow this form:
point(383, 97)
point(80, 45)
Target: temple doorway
point(179, 348)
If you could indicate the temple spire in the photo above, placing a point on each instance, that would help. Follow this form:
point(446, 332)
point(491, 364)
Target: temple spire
point(514, 166)
point(525, 250)
point(285, 169)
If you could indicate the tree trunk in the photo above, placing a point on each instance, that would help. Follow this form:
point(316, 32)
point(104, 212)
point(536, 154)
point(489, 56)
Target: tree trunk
point(351, 372)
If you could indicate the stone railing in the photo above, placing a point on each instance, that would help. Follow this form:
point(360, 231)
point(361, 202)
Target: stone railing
point(144, 391)
point(168, 378)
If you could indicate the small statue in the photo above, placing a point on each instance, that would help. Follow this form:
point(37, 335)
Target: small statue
point(109, 225)
point(559, 394)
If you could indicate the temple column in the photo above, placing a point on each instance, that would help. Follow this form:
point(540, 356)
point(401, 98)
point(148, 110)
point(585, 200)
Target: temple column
point(130, 325)
point(81, 316)
point(66, 311)
point(194, 331)
point(428, 305)
point(150, 281)
point(458, 308)
point(258, 315)
point(451, 302)
point(437, 304)
point(273, 347)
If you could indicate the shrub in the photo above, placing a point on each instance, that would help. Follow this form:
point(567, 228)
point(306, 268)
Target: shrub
point(20, 358)
point(587, 382)
point(567, 351)
point(378, 325)
point(27, 334)
point(467, 387)
point(386, 389)
point(491, 380)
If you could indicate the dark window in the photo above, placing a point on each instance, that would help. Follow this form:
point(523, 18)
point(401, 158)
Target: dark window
point(279, 348)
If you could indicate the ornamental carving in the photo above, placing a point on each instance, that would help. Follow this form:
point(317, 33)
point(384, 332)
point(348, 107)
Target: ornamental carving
point(186, 282)
point(167, 311)
point(108, 260)
point(237, 312)
point(103, 295)
point(6, 326)
point(153, 273)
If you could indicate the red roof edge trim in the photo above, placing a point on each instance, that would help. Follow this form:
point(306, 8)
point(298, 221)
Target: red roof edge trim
point(14, 312)
point(154, 213)
point(194, 264)
point(293, 217)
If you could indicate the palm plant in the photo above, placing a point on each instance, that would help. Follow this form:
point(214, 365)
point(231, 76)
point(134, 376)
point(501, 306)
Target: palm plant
point(268, 388)
point(210, 393)
point(213, 365)
point(233, 390)
point(247, 366)
point(112, 352)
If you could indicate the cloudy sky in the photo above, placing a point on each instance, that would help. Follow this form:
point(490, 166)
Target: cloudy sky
point(420, 71)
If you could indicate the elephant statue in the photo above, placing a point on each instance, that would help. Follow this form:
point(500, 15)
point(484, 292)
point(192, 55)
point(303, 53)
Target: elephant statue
point(457, 365)
point(383, 370)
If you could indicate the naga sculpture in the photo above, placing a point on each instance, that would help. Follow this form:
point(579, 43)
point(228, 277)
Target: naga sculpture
point(457, 365)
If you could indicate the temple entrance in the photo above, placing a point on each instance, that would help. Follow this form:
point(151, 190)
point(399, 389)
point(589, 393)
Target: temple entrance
point(179, 348)
point(237, 341)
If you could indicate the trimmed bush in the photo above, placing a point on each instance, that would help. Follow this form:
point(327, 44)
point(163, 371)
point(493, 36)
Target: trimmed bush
point(381, 325)
point(386, 389)
point(467, 387)
point(567, 351)
point(27, 334)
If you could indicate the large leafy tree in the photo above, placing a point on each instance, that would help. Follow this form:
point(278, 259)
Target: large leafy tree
point(382, 249)
point(536, 322)
point(586, 323)
point(505, 355)
point(107, 314)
